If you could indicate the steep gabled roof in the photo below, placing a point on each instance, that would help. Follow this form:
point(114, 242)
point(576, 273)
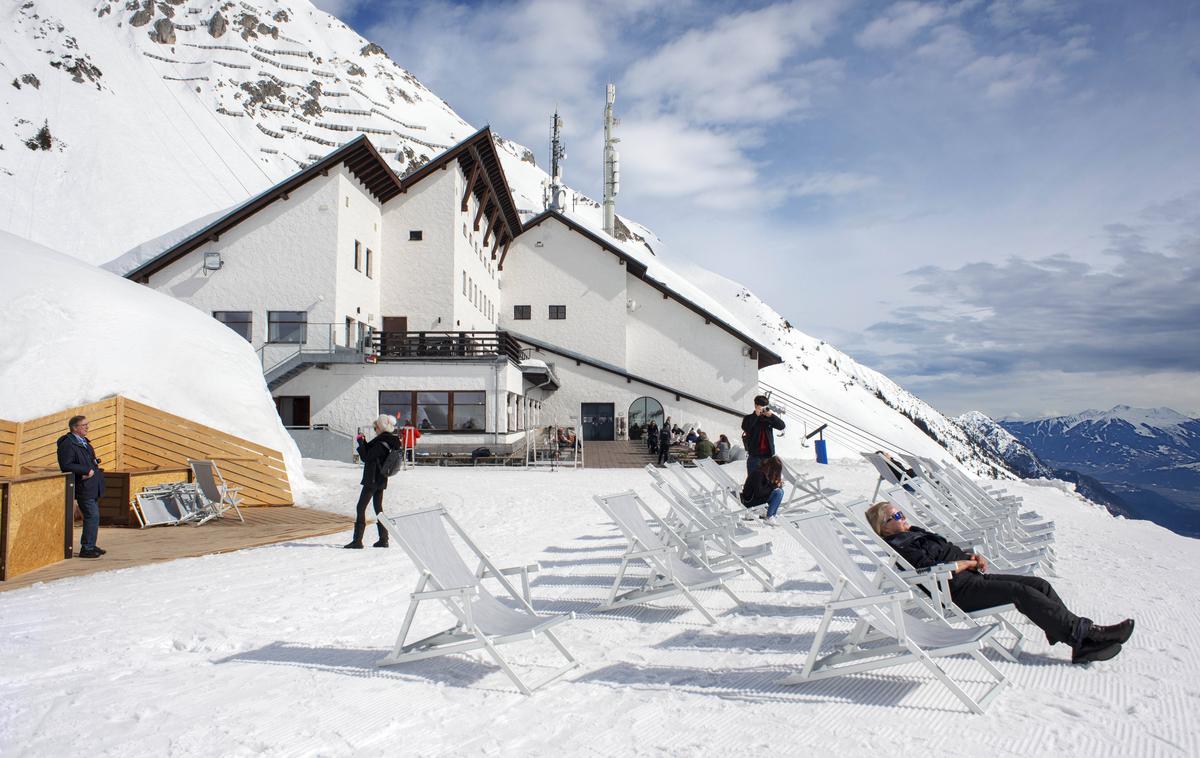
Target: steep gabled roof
point(360, 158)
point(766, 356)
point(488, 183)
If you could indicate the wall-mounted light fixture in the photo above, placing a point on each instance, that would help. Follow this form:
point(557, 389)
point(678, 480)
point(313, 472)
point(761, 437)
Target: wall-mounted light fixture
point(539, 243)
point(212, 262)
point(631, 305)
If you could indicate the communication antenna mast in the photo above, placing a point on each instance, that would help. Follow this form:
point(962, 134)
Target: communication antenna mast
point(558, 153)
point(612, 168)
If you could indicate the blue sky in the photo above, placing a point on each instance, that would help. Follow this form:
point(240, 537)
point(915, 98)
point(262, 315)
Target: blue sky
point(994, 202)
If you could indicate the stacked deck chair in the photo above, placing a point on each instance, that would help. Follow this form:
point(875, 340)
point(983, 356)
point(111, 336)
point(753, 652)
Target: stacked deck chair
point(714, 537)
point(931, 515)
point(713, 503)
point(672, 568)
point(1026, 527)
point(893, 626)
point(805, 490)
point(212, 486)
point(933, 582)
point(481, 619)
point(888, 477)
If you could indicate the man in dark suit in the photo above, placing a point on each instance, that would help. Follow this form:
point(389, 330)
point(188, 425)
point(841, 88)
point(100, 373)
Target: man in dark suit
point(76, 455)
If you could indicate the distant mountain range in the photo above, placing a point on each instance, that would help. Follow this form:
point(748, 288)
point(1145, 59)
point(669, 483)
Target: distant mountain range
point(1139, 462)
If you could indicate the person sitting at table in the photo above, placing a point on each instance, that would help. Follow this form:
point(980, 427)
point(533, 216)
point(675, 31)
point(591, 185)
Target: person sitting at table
point(972, 589)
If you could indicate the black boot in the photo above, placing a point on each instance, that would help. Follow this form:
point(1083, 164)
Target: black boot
point(356, 543)
point(353, 545)
point(1095, 651)
point(1112, 633)
point(383, 535)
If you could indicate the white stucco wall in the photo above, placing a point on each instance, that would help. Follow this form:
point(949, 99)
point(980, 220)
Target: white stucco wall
point(567, 270)
point(419, 279)
point(281, 259)
point(346, 396)
point(587, 384)
point(671, 344)
point(359, 218)
point(471, 312)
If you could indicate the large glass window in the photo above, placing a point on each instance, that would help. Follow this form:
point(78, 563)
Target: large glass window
point(469, 412)
point(239, 321)
point(287, 326)
point(641, 412)
point(398, 404)
point(370, 269)
point(433, 410)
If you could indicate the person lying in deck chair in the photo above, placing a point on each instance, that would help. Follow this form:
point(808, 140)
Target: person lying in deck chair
point(972, 589)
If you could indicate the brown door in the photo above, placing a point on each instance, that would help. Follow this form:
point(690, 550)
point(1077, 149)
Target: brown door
point(394, 334)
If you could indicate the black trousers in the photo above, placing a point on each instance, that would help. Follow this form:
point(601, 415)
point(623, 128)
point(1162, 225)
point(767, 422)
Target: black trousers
point(1032, 595)
point(369, 494)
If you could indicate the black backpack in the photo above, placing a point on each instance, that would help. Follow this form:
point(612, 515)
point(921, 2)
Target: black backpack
point(391, 464)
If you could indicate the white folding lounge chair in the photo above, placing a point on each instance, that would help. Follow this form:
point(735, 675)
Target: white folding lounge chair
point(482, 621)
point(897, 636)
point(663, 553)
point(220, 496)
point(714, 537)
point(933, 581)
point(1027, 528)
point(887, 475)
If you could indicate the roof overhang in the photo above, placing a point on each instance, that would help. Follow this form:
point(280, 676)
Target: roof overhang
point(358, 155)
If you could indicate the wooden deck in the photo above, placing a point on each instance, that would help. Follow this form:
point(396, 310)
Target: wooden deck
point(136, 547)
point(618, 454)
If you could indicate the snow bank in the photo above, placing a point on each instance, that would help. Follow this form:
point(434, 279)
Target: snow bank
point(71, 333)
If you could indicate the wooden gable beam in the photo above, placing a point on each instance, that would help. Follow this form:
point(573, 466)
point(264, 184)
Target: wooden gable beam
point(491, 227)
point(487, 180)
point(507, 242)
point(471, 182)
point(483, 201)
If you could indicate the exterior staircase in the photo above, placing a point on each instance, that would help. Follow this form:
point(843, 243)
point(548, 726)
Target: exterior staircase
point(303, 360)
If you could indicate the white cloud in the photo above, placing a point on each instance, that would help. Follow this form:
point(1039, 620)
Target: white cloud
point(900, 23)
point(833, 184)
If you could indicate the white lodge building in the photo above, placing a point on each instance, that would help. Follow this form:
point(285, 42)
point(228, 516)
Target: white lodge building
point(427, 297)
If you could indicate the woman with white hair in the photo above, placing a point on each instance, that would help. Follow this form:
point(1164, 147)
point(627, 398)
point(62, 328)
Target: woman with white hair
point(374, 480)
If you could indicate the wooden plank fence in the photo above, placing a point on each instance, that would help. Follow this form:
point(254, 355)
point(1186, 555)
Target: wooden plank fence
point(129, 435)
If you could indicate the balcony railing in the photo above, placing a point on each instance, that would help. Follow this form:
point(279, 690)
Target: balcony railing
point(306, 340)
point(395, 346)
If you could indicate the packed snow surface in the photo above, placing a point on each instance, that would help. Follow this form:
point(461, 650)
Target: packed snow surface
point(71, 333)
point(271, 651)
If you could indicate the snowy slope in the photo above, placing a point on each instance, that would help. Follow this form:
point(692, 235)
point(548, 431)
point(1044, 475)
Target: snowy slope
point(71, 333)
point(272, 651)
point(991, 435)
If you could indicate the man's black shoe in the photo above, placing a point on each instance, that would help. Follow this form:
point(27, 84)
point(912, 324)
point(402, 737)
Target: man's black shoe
point(355, 545)
point(100, 550)
point(1112, 633)
point(89, 552)
point(1089, 652)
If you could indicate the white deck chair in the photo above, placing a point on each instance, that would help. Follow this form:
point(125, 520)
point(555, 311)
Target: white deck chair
point(663, 552)
point(887, 475)
point(723, 482)
point(1027, 526)
point(883, 611)
point(482, 621)
point(934, 580)
point(709, 501)
point(220, 496)
point(714, 537)
point(805, 490)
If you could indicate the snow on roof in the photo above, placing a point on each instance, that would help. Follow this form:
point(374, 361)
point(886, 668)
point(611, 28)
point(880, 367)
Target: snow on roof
point(63, 323)
point(151, 249)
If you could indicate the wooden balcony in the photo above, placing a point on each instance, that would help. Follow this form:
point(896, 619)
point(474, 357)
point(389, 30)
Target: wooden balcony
point(424, 346)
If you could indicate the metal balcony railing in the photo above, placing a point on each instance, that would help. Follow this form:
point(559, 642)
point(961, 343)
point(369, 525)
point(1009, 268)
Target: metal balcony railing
point(288, 341)
point(395, 346)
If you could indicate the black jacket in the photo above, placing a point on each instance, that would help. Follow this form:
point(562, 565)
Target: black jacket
point(372, 454)
point(757, 489)
point(757, 434)
point(78, 458)
point(923, 549)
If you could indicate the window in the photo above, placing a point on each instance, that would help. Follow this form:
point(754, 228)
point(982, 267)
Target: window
point(370, 270)
point(558, 312)
point(357, 255)
point(468, 411)
point(464, 282)
point(460, 411)
point(522, 312)
point(415, 235)
point(398, 404)
point(238, 321)
point(287, 326)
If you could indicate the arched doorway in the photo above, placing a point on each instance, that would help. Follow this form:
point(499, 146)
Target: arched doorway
point(641, 412)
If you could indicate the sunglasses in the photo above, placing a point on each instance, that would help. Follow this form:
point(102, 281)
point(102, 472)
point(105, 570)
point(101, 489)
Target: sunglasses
point(897, 516)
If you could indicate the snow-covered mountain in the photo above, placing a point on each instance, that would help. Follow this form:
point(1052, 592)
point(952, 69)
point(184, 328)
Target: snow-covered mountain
point(124, 121)
point(985, 431)
point(1150, 457)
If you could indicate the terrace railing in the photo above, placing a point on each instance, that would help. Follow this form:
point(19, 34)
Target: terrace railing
point(397, 346)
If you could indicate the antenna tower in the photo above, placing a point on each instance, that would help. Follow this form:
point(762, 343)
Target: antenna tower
point(612, 168)
point(558, 153)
